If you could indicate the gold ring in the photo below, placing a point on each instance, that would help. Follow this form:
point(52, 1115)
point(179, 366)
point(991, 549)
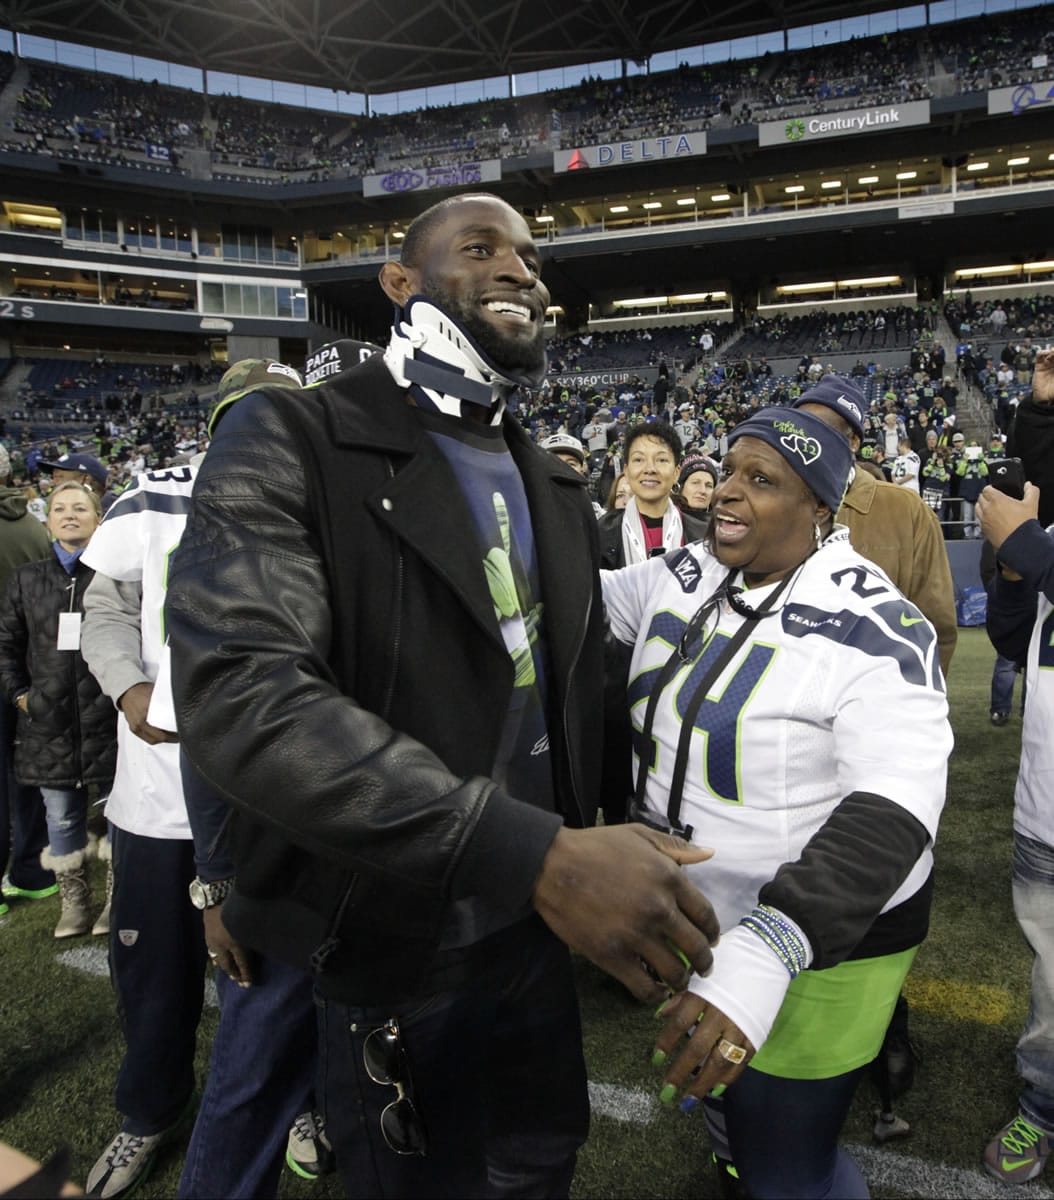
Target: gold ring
point(730, 1052)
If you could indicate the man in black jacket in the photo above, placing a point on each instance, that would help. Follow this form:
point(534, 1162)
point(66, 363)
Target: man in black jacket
point(1031, 434)
point(386, 633)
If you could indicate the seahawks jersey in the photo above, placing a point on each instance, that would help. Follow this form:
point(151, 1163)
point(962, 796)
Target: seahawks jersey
point(134, 544)
point(837, 690)
point(1032, 807)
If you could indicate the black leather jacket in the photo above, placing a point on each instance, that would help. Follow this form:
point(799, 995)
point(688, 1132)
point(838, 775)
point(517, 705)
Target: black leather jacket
point(341, 678)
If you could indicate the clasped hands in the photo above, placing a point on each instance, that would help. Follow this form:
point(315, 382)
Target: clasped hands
point(618, 896)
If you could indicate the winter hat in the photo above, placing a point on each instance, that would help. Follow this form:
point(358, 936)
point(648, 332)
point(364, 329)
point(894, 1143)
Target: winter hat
point(697, 462)
point(840, 395)
point(245, 377)
point(818, 454)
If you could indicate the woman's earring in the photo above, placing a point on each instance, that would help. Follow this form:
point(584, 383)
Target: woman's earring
point(819, 536)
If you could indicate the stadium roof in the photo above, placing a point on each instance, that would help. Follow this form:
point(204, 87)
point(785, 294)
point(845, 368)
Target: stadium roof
point(381, 46)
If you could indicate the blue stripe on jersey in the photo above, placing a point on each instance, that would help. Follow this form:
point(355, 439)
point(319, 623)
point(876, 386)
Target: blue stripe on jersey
point(144, 501)
point(860, 632)
point(907, 622)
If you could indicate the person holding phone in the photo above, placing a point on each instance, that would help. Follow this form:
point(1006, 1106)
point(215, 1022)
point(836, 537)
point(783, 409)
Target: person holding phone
point(1020, 622)
point(1030, 436)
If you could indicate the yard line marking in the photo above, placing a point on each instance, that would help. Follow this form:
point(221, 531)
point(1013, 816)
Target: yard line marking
point(93, 960)
point(887, 1171)
point(630, 1105)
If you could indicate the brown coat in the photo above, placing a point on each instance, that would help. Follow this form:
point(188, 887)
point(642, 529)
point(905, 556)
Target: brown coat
point(896, 530)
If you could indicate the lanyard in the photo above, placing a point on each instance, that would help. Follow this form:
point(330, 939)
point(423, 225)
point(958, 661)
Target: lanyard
point(680, 657)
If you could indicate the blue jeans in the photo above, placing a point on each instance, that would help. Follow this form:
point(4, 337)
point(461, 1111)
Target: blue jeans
point(260, 1078)
point(23, 833)
point(1034, 908)
point(497, 1073)
point(1003, 674)
point(66, 810)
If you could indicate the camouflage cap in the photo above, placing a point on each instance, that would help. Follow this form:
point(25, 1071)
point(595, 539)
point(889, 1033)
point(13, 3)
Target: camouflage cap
point(245, 377)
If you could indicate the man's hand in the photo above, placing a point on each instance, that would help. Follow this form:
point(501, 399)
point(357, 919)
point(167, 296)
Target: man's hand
point(1043, 378)
point(225, 953)
point(1001, 515)
point(707, 1045)
point(135, 703)
point(616, 894)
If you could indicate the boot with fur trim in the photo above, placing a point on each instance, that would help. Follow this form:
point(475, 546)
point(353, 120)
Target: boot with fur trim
point(104, 854)
point(71, 875)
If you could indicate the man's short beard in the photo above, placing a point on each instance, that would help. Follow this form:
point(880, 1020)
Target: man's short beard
point(509, 353)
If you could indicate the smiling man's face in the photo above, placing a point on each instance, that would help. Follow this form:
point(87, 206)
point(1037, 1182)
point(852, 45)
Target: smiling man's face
point(479, 264)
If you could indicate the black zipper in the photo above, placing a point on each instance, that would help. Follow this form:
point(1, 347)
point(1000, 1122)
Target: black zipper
point(397, 628)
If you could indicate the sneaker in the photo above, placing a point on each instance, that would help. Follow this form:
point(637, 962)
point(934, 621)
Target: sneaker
point(729, 1185)
point(11, 889)
point(999, 718)
point(124, 1164)
point(308, 1152)
point(1017, 1152)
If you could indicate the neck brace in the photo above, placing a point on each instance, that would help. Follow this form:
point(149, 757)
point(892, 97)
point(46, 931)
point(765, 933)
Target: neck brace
point(443, 366)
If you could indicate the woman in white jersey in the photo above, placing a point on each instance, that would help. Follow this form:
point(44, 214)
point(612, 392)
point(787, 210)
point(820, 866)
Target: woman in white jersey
point(773, 668)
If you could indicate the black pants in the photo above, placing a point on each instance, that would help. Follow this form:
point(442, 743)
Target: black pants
point(157, 966)
point(21, 815)
point(498, 1080)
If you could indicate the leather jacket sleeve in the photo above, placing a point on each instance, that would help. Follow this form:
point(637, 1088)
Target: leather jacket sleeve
point(261, 716)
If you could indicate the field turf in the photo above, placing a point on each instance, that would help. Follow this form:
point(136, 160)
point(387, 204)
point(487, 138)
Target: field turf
point(60, 1043)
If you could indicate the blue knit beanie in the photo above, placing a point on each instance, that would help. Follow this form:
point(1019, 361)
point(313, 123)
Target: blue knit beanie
point(818, 454)
point(840, 395)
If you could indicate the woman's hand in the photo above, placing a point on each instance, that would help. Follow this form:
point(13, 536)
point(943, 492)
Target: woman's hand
point(23, 703)
point(711, 1050)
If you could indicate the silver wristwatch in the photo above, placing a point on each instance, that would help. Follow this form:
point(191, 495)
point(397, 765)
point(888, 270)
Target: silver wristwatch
point(205, 894)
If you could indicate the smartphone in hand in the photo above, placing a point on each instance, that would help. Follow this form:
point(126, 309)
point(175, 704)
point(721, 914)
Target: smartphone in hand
point(1007, 475)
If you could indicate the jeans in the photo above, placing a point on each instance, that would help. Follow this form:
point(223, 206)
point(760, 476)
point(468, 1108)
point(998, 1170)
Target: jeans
point(66, 810)
point(497, 1078)
point(157, 967)
point(1034, 908)
point(260, 1078)
point(21, 814)
point(1003, 685)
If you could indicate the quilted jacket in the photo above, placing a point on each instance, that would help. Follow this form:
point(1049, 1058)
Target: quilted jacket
point(69, 736)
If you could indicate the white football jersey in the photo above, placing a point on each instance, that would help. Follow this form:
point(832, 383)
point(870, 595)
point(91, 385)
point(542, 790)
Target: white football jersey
point(1033, 813)
point(134, 544)
point(838, 690)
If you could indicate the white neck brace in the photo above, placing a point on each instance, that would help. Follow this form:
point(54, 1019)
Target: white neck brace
point(443, 366)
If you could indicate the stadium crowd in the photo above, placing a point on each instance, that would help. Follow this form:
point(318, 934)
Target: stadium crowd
point(78, 114)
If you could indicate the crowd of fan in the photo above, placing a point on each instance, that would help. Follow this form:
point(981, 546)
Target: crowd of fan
point(107, 119)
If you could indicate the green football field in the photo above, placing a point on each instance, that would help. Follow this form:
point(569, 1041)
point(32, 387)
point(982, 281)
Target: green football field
point(60, 1044)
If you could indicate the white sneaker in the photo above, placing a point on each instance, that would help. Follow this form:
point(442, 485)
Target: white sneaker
point(123, 1164)
point(308, 1152)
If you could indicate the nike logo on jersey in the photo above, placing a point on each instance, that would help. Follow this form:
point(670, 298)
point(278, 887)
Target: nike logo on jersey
point(907, 621)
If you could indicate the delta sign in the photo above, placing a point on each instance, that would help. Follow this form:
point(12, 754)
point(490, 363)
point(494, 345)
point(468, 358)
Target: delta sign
point(631, 153)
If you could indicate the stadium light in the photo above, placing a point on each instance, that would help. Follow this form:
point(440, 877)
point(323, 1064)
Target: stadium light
point(619, 208)
point(1039, 266)
point(1018, 162)
point(907, 174)
point(791, 289)
point(545, 219)
point(640, 302)
point(792, 189)
point(870, 281)
point(652, 204)
point(1005, 269)
point(868, 179)
point(977, 166)
point(831, 184)
point(718, 197)
point(685, 201)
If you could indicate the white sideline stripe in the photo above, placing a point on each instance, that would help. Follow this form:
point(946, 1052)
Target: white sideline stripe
point(885, 1170)
point(912, 1176)
point(92, 960)
point(630, 1105)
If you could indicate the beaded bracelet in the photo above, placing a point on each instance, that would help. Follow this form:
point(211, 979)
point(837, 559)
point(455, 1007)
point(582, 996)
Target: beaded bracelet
point(779, 935)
